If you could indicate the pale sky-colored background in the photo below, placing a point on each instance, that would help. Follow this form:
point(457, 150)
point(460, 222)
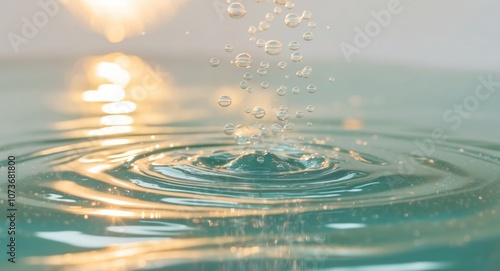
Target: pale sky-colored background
point(456, 34)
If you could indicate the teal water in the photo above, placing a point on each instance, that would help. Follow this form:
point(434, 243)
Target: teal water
point(366, 187)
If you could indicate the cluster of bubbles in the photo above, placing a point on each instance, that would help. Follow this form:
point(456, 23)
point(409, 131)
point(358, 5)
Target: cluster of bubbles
point(255, 133)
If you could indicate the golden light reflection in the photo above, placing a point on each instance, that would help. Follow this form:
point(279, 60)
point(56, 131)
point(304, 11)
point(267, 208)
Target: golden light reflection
point(352, 124)
point(118, 19)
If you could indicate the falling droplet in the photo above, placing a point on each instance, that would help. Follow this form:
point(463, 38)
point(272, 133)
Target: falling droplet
point(306, 15)
point(252, 30)
point(281, 90)
point(264, 64)
point(299, 114)
point(282, 65)
point(261, 71)
point(273, 47)
point(214, 62)
point(276, 128)
point(258, 112)
point(311, 24)
point(277, 10)
point(244, 84)
point(282, 115)
point(260, 43)
point(308, 36)
point(269, 17)
point(247, 76)
point(225, 101)
point(309, 123)
point(311, 88)
point(229, 129)
point(236, 10)
point(296, 57)
point(229, 48)
point(264, 84)
point(295, 90)
point(331, 79)
point(289, 5)
point(243, 60)
point(294, 45)
point(306, 72)
point(310, 108)
point(263, 25)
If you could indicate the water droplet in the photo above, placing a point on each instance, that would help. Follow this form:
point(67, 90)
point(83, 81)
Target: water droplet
point(247, 76)
point(258, 112)
point(276, 128)
point(244, 84)
point(264, 64)
point(261, 71)
point(280, 166)
point(269, 17)
point(312, 24)
point(282, 115)
point(252, 39)
point(252, 30)
point(306, 15)
point(289, 5)
point(296, 57)
point(264, 84)
point(225, 101)
point(229, 129)
point(299, 114)
point(214, 62)
point(288, 126)
point(308, 36)
point(281, 90)
point(282, 65)
point(292, 20)
point(310, 108)
point(236, 10)
point(248, 110)
point(284, 108)
point(273, 47)
point(309, 123)
point(260, 159)
point(294, 45)
point(260, 43)
point(311, 88)
point(263, 25)
point(249, 90)
point(280, 2)
point(243, 60)
point(229, 48)
point(277, 10)
point(298, 73)
point(331, 79)
point(306, 72)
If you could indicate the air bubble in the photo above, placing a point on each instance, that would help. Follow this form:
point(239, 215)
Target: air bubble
point(282, 115)
point(261, 71)
point(225, 101)
point(264, 64)
point(273, 47)
point(308, 36)
point(236, 10)
point(284, 108)
point(260, 43)
point(229, 48)
point(281, 90)
point(214, 62)
point(269, 17)
point(252, 30)
point(244, 84)
point(306, 15)
point(306, 72)
point(309, 123)
point(276, 128)
point(292, 20)
point(295, 90)
point(260, 159)
point(294, 45)
point(289, 5)
point(263, 25)
point(280, 2)
point(277, 10)
point(247, 76)
point(331, 79)
point(264, 84)
point(243, 60)
point(282, 65)
point(310, 108)
point(311, 24)
point(296, 57)
point(288, 126)
point(258, 112)
point(311, 88)
point(299, 114)
point(229, 129)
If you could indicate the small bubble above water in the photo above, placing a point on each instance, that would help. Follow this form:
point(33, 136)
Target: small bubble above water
point(244, 84)
point(260, 159)
point(299, 114)
point(273, 47)
point(258, 112)
point(296, 57)
point(310, 108)
point(292, 20)
point(214, 62)
point(229, 129)
point(282, 65)
point(294, 45)
point(295, 90)
point(306, 15)
point(264, 84)
point(261, 71)
point(277, 10)
point(243, 60)
point(252, 30)
point(236, 10)
point(311, 88)
point(260, 43)
point(225, 101)
point(229, 48)
point(247, 76)
point(264, 64)
point(281, 90)
point(308, 36)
